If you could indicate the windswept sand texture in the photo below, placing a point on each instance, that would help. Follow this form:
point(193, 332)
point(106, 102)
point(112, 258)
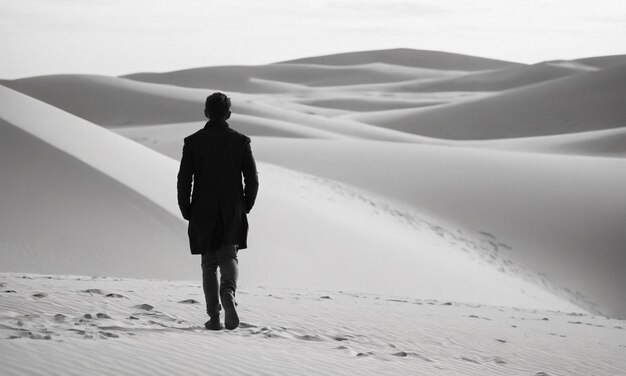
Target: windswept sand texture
point(77, 325)
point(470, 210)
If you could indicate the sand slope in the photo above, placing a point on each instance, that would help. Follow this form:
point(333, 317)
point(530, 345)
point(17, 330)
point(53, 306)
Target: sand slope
point(561, 217)
point(606, 142)
point(586, 101)
point(112, 101)
point(79, 199)
point(530, 203)
point(408, 57)
point(74, 325)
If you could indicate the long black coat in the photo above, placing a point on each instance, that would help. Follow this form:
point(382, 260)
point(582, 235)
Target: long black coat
point(214, 160)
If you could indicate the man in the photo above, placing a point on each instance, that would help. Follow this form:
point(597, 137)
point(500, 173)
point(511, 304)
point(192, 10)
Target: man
point(214, 160)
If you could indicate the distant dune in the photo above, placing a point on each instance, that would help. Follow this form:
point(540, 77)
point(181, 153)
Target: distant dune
point(410, 58)
point(293, 77)
point(604, 61)
point(361, 104)
point(112, 101)
point(496, 80)
point(582, 102)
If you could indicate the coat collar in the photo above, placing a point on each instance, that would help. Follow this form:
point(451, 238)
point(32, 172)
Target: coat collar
point(216, 124)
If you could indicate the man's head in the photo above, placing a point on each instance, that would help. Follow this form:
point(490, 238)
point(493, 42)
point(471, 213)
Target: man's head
point(217, 106)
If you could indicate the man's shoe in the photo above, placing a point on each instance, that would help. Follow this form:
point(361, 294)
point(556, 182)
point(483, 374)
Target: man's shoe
point(214, 323)
point(231, 319)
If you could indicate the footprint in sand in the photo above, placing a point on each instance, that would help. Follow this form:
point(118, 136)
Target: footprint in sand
point(112, 295)
point(93, 291)
point(144, 306)
point(469, 360)
point(494, 359)
point(347, 350)
point(479, 317)
point(189, 301)
point(59, 317)
point(106, 335)
point(403, 354)
point(308, 337)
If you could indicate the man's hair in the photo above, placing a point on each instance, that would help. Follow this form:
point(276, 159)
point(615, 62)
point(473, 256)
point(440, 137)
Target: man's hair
point(217, 105)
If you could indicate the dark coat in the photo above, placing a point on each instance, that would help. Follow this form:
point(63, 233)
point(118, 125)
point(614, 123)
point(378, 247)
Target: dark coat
point(214, 160)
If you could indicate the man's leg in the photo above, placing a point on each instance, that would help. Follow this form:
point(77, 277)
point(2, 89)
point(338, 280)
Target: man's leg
point(229, 272)
point(211, 288)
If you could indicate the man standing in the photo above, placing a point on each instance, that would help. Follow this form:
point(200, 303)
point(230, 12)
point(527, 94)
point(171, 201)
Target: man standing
point(214, 160)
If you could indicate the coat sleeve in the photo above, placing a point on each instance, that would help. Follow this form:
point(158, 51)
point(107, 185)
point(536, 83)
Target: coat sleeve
point(185, 178)
point(250, 177)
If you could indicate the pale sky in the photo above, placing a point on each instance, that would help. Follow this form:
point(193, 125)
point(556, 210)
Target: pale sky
point(116, 37)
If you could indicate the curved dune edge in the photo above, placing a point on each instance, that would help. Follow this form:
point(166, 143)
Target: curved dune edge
point(408, 57)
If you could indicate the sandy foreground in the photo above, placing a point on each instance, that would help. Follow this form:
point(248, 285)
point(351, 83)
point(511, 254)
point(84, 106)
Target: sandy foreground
point(76, 325)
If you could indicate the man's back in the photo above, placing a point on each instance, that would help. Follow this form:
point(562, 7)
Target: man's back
point(218, 153)
point(215, 158)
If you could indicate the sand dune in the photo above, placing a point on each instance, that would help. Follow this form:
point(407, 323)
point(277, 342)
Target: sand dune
point(78, 199)
point(119, 216)
point(373, 248)
point(359, 104)
point(584, 102)
point(606, 142)
point(255, 79)
point(249, 125)
point(497, 80)
point(532, 203)
point(406, 184)
point(111, 101)
point(563, 217)
point(410, 58)
point(603, 61)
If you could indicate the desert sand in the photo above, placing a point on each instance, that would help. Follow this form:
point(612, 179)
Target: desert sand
point(436, 197)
